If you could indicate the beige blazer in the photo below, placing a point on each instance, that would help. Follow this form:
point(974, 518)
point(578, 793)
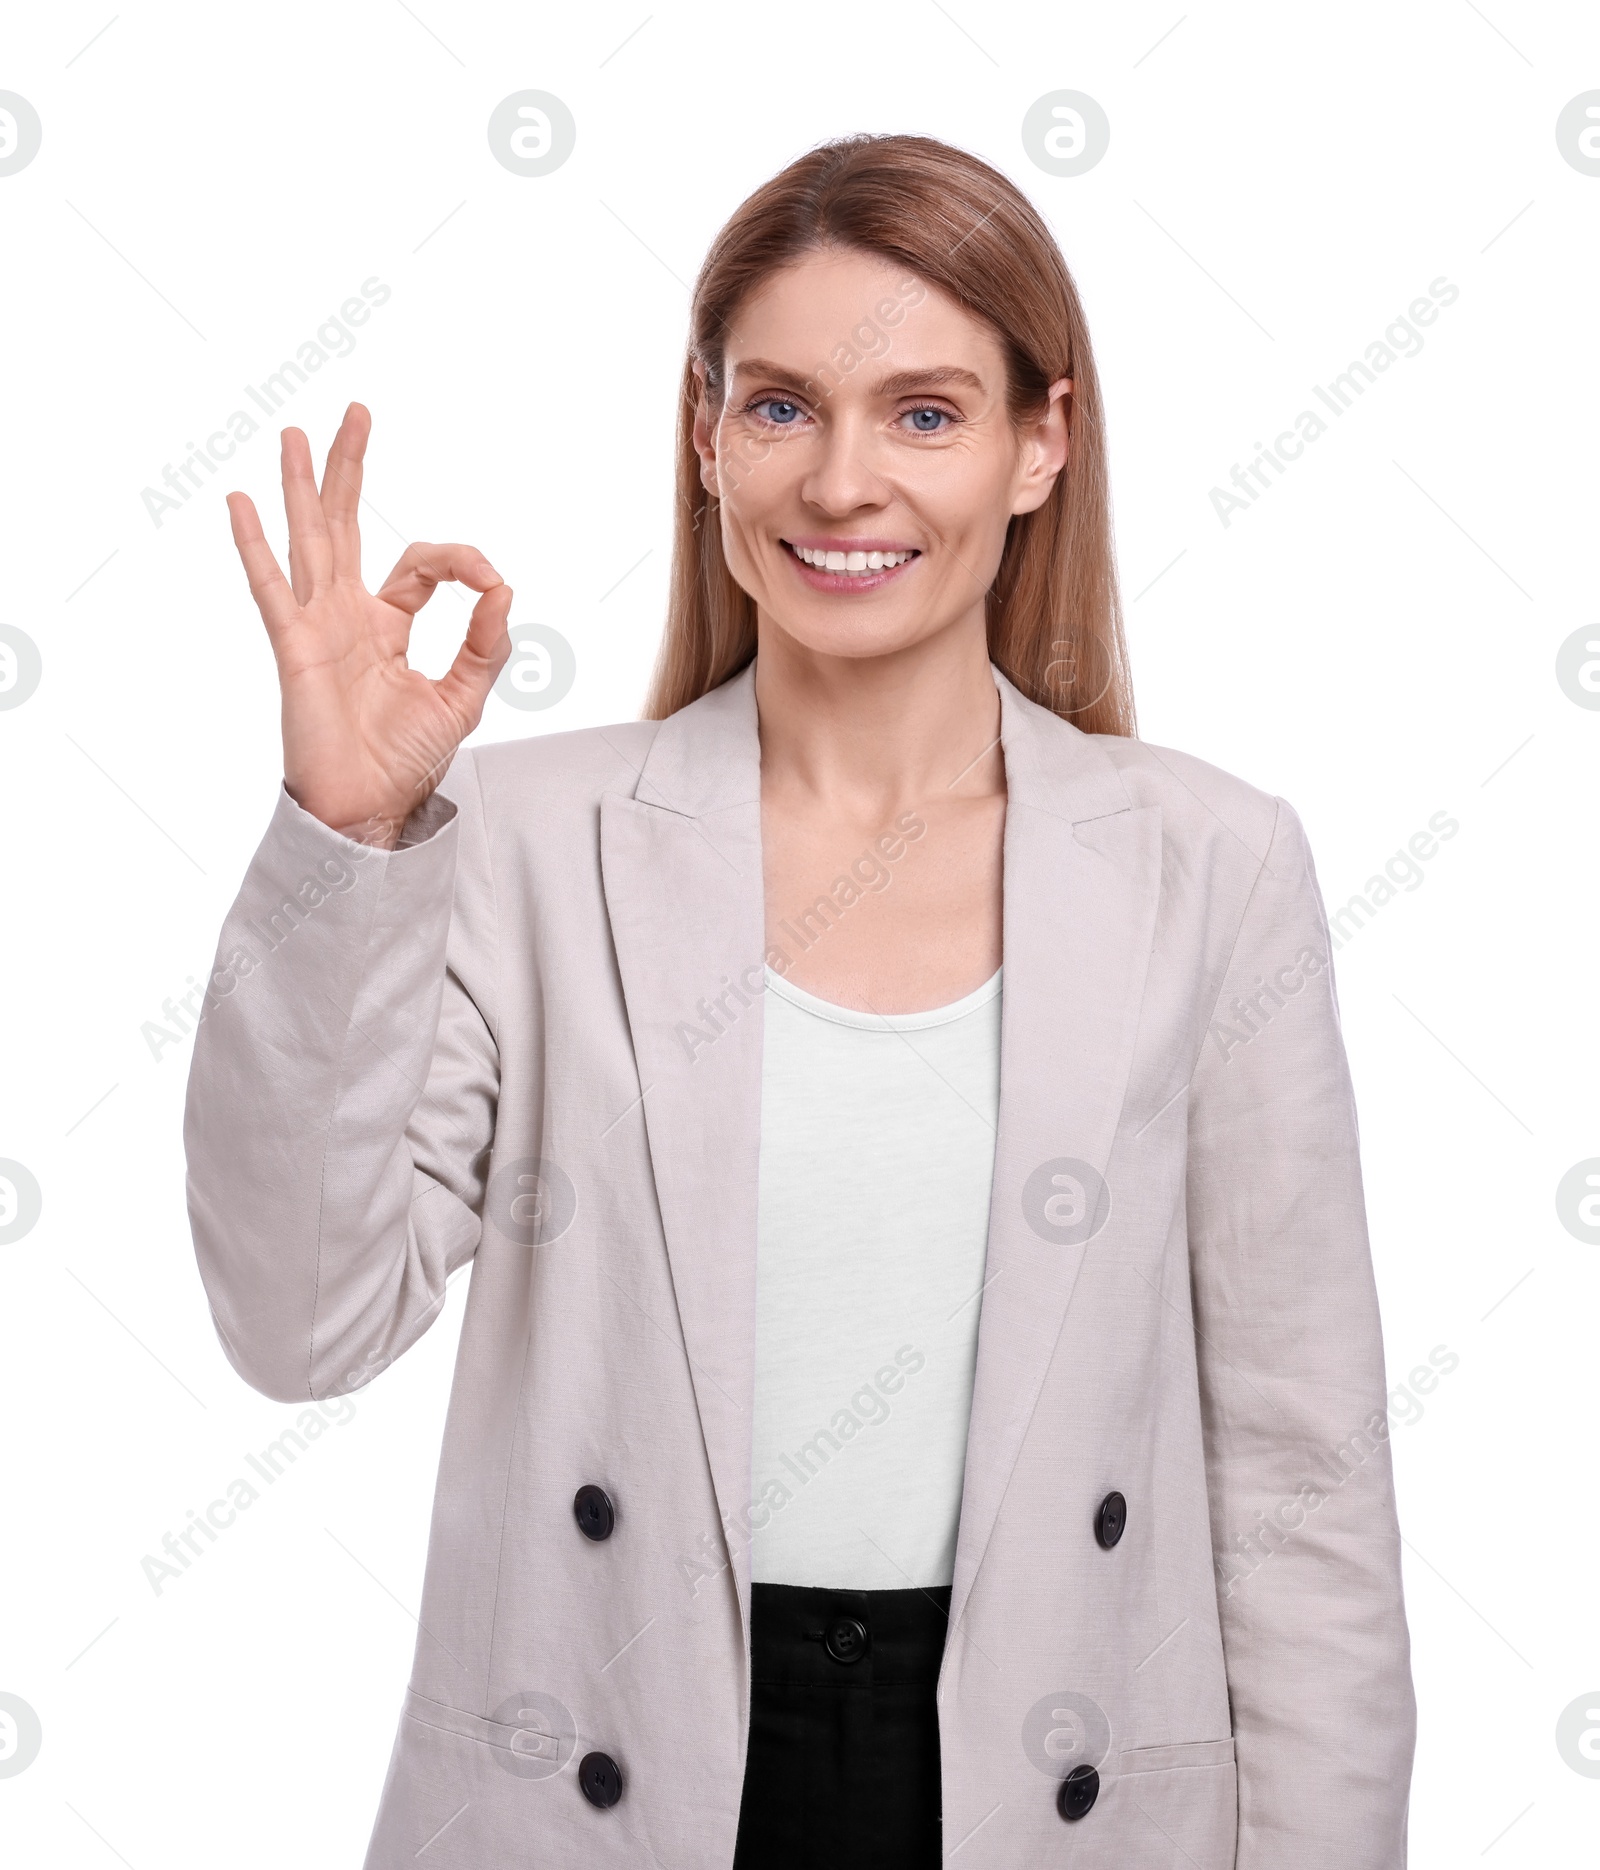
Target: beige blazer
point(482, 1047)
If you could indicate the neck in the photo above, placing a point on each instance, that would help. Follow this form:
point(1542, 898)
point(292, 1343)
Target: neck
point(868, 735)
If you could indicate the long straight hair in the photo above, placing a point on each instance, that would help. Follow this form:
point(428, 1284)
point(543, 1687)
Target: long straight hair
point(1053, 613)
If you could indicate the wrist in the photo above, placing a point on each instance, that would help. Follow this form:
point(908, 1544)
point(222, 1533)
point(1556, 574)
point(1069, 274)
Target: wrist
point(379, 830)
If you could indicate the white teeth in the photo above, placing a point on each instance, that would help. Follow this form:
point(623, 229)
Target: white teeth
point(850, 564)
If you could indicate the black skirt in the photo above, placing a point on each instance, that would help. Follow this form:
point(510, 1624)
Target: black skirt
point(843, 1762)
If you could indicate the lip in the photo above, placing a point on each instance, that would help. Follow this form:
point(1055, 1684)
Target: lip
point(831, 582)
point(835, 542)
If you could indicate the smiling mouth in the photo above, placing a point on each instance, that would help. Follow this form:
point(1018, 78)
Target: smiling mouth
point(846, 565)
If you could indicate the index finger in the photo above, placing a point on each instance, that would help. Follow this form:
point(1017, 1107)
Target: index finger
point(268, 586)
point(421, 569)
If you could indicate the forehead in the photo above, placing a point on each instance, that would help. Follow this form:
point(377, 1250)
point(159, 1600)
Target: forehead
point(801, 314)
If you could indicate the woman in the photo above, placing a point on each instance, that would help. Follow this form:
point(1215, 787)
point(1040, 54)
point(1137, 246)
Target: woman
point(893, 1418)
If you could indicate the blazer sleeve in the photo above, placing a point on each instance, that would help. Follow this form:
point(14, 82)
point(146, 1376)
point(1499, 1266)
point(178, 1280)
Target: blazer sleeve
point(342, 1093)
point(1293, 1401)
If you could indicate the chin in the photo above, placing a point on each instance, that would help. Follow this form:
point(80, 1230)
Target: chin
point(857, 637)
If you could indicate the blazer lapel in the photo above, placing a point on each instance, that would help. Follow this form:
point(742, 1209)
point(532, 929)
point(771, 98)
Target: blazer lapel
point(1082, 880)
point(681, 866)
point(681, 869)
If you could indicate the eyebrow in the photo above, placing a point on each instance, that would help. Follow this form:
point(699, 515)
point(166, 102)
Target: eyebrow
point(902, 383)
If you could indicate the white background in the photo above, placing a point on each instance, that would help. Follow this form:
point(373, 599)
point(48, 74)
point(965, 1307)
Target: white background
point(1375, 639)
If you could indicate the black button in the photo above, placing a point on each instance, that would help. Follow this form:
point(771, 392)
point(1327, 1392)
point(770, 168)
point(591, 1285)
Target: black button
point(601, 1779)
point(1109, 1522)
point(1079, 1790)
point(592, 1508)
point(846, 1640)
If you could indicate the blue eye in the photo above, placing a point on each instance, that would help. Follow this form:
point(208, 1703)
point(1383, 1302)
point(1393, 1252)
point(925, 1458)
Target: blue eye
point(926, 421)
point(783, 413)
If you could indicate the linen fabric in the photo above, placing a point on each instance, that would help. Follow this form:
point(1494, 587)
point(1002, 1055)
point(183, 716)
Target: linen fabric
point(482, 1048)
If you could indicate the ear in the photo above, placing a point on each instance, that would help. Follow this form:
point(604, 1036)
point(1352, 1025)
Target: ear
point(1044, 449)
point(704, 443)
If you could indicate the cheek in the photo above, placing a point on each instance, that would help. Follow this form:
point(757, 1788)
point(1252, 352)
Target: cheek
point(963, 496)
point(746, 521)
point(758, 481)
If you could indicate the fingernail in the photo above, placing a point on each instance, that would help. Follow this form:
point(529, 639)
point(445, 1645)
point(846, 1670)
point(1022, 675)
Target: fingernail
point(486, 570)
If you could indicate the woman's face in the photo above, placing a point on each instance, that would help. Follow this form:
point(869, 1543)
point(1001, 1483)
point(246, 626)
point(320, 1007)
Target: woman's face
point(863, 457)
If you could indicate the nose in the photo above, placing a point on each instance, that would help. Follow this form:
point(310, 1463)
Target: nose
point(840, 479)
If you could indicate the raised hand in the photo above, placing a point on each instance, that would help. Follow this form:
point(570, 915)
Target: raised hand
point(365, 738)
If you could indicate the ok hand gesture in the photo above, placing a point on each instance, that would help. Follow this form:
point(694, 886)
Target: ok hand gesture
point(365, 738)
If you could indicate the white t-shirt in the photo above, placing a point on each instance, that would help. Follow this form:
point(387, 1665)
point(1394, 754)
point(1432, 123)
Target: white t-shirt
point(877, 1159)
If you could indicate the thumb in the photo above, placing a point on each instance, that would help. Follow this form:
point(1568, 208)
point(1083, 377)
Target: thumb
point(465, 685)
